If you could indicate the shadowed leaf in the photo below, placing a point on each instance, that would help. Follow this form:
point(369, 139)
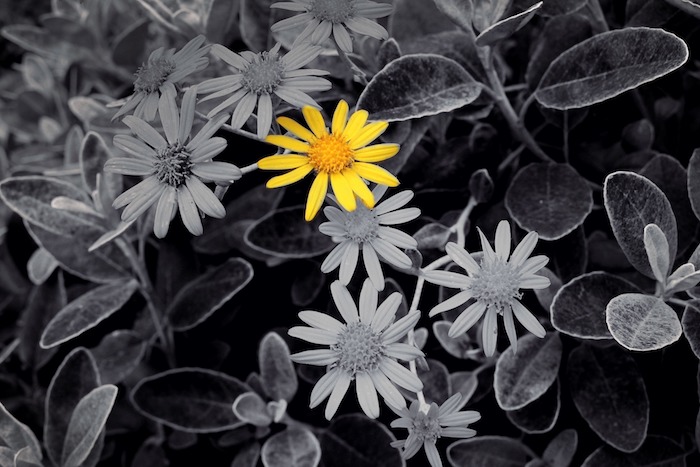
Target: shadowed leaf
point(293, 447)
point(276, 368)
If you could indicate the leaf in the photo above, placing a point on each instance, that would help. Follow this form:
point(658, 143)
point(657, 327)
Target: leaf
point(209, 292)
point(691, 328)
point(659, 451)
point(560, 450)
point(40, 266)
point(357, 441)
point(416, 19)
point(436, 382)
point(652, 13)
point(276, 368)
point(687, 6)
point(16, 436)
point(488, 451)
point(546, 296)
point(248, 456)
point(457, 45)
point(632, 202)
point(307, 284)
point(86, 423)
point(578, 308)
point(47, 44)
point(461, 346)
point(93, 155)
point(559, 34)
point(609, 393)
point(562, 7)
point(418, 85)
point(255, 22)
point(293, 447)
point(221, 21)
point(130, 46)
point(118, 354)
point(459, 11)
point(489, 12)
point(642, 322)
point(465, 383)
point(607, 457)
point(250, 408)
point(283, 233)
point(74, 379)
point(189, 399)
point(43, 303)
point(551, 199)
point(609, 64)
point(524, 376)
point(656, 245)
point(506, 27)
point(539, 416)
point(86, 312)
point(694, 182)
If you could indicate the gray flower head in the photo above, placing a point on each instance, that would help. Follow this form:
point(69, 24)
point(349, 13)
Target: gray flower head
point(322, 18)
point(370, 231)
point(257, 78)
point(157, 77)
point(176, 167)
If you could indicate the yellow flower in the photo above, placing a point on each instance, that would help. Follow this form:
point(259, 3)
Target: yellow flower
point(340, 157)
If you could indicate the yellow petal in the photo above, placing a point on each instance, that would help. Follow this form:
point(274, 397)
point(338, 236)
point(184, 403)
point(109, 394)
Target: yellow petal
point(359, 187)
point(316, 195)
point(287, 143)
point(287, 161)
point(340, 118)
point(290, 177)
point(296, 129)
point(375, 174)
point(356, 122)
point(377, 152)
point(368, 134)
point(315, 120)
point(343, 192)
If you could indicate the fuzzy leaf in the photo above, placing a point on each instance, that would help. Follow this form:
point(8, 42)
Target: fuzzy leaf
point(118, 354)
point(283, 233)
point(633, 202)
point(86, 423)
point(506, 27)
point(609, 393)
point(609, 64)
point(209, 292)
point(691, 328)
point(459, 11)
point(189, 399)
point(40, 266)
point(93, 155)
point(539, 416)
point(16, 436)
point(656, 245)
point(436, 382)
point(694, 182)
point(255, 22)
point(416, 19)
point(74, 379)
point(524, 376)
point(86, 312)
point(642, 322)
point(690, 7)
point(293, 447)
point(561, 7)
point(578, 308)
point(357, 441)
point(488, 451)
point(560, 450)
point(551, 199)
point(276, 368)
point(460, 346)
point(418, 85)
point(250, 408)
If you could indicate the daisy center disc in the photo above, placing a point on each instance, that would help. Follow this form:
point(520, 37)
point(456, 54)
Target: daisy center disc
point(361, 225)
point(150, 77)
point(264, 74)
point(335, 11)
point(359, 348)
point(330, 154)
point(496, 284)
point(426, 427)
point(173, 165)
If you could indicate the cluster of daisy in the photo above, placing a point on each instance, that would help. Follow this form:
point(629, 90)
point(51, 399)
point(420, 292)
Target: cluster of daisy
point(371, 344)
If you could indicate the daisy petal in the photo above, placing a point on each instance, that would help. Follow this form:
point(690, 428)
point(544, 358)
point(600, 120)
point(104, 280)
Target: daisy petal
point(447, 279)
point(335, 257)
point(349, 262)
point(288, 143)
point(285, 162)
point(367, 395)
point(391, 254)
point(342, 38)
point(509, 324)
point(431, 453)
point(187, 114)
point(290, 177)
point(315, 121)
point(317, 193)
point(244, 110)
point(208, 149)
point(207, 131)
point(164, 212)
point(397, 238)
point(321, 321)
point(320, 357)
point(460, 418)
point(229, 57)
point(396, 201)
point(388, 391)
point(400, 375)
point(135, 147)
point(377, 152)
point(341, 387)
point(534, 282)
point(189, 211)
point(205, 199)
point(359, 187)
point(296, 129)
point(402, 351)
point(355, 123)
point(386, 312)
point(527, 319)
point(265, 115)
point(462, 257)
point(217, 171)
point(344, 302)
point(375, 174)
point(397, 330)
point(486, 246)
point(323, 387)
point(367, 27)
point(145, 131)
point(533, 265)
point(373, 267)
point(340, 117)
point(144, 188)
point(312, 335)
point(452, 302)
point(489, 332)
point(524, 249)
point(467, 319)
point(169, 117)
point(503, 240)
point(343, 192)
point(450, 406)
point(368, 302)
point(128, 166)
point(368, 134)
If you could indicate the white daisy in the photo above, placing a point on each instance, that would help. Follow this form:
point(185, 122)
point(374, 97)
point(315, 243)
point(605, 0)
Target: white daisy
point(365, 348)
point(260, 78)
point(494, 286)
point(369, 230)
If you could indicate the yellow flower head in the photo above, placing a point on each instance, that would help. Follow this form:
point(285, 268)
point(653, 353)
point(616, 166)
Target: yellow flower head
point(341, 157)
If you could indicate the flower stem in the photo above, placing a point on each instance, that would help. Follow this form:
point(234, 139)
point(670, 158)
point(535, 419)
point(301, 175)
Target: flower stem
point(230, 129)
point(359, 74)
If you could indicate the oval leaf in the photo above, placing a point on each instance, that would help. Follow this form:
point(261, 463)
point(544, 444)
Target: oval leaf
point(436, 382)
point(461, 346)
point(283, 233)
point(40, 266)
point(16, 436)
point(418, 85)
point(294, 447)
point(560, 451)
point(694, 182)
point(459, 11)
point(118, 354)
point(632, 202)
point(609, 393)
point(551, 199)
point(250, 408)
point(540, 415)
point(86, 423)
point(86, 312)
point(202, 297)
point(691, 328)
point(506, 27)
point(578, 308)
point(93, 155)
point(488, 451)
point(74, 379)
point(276, 368)
point(524, 376)
point(190, 399)
point(609, 64)
point(357, 441)
point(642, 322)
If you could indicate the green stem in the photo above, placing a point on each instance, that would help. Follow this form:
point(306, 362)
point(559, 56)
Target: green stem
point(230, 129)
point(359, 74)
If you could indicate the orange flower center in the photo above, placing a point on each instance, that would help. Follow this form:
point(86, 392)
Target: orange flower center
point(330, 154)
